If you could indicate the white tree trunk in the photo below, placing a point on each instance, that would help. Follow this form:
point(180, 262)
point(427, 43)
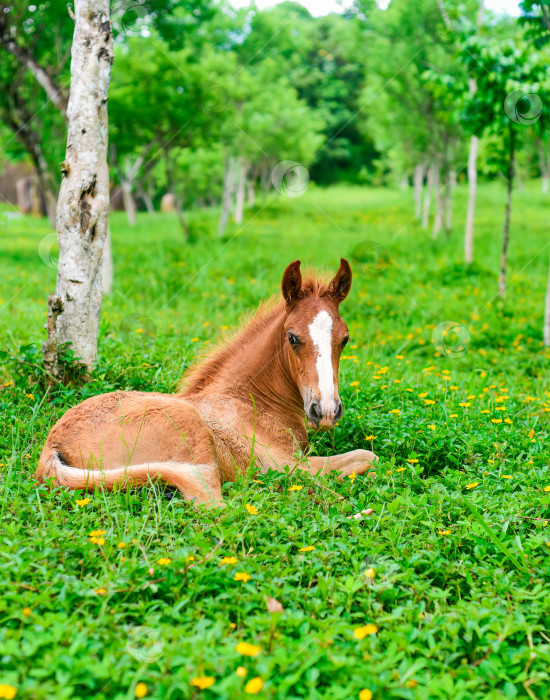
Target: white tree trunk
point(547, 313)
point(251, 192)
point(418, 184)
point(439, 217)
point(128, 201)
point(472, 191)
point(83, 204)
point(228, 192)
point(241, 191)
point(428, 197)
point(450, 184)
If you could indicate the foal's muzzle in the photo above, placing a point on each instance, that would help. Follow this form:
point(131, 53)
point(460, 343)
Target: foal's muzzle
point(323, 420)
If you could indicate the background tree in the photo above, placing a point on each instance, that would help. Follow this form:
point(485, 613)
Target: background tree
point(83, 205)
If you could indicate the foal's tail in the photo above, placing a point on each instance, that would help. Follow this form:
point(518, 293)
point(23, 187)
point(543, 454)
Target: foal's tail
point(194, 481)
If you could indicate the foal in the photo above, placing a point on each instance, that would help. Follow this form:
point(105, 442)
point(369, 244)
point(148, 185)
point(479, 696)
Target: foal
point(244, 404)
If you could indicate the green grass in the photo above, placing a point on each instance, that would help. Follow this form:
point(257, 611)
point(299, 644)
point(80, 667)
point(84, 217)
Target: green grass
point(459, 615)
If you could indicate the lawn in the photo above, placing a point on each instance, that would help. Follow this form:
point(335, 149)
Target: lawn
point(441, 593)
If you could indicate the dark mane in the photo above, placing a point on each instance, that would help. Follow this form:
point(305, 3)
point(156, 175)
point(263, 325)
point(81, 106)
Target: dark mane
point(205, 367)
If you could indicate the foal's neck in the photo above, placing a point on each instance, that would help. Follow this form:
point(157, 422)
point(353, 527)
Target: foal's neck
point(255, 365)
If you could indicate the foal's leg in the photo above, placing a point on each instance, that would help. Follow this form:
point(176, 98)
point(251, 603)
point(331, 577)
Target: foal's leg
point(358, 461)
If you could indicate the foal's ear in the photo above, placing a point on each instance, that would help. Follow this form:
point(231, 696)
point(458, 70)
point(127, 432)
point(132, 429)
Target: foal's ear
point(339, 288)
point(292, 283)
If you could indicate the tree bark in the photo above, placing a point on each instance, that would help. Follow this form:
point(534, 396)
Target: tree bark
point(506, 232)
point(418, 184)
point(83, 204)
point(228, 192)
point(439, 217)
point(146, 199)
point(251, 192)
point(428, 196)
point(450, 184)
point(241, 190)
point(128, 200)
point(547, 313)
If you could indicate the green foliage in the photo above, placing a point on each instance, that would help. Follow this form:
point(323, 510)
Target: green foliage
point(461, 615)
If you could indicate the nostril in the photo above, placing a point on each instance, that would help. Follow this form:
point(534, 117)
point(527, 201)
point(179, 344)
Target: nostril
point(315, 411)
point(339, 411)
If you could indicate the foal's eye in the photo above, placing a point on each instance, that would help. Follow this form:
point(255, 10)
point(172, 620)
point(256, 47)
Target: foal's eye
point(345, 341)
point(293, 339)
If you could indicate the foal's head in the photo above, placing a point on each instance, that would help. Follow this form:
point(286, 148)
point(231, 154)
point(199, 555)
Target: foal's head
point(315, 335)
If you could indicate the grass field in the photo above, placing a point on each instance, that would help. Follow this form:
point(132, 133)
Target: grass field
point(442, 593)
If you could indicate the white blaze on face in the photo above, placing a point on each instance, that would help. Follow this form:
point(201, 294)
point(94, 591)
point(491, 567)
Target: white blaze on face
point(320, 330)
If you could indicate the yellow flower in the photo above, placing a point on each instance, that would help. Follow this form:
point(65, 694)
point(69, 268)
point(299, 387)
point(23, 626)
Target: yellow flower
point(27, 612)
point(295, 488)
point(307, 549)
point(241, 576)
point(251, 509)
point(354, 383)
point(464, 405)
point(397, 411)
point(547, 488)
point(164, 561)
point(399, 357)
point(508, 420)
point(100, 591)
point(454, 415)
point(7, 691)
point(189, 559)
point(241, 672)
point(454, 388)
point(254, 686)
point(531, 433)
point(30, 396)
point(203, 682)
point(422, 396)
point(141, 690)
point(362, 632)
point(247, 649)
point(412, 683)
point(82, 502)
point(496, 420)
point(485, 410)
point(194, 340)
point(365, 694)
point(228, 560)
point(472, 485)
point(431, 427)
point(121, 545)
point(370, 437)
point(401, 469)
point(97, 540)
point(443, 532)
point(97, 533)
point(352, 476)
point(429, 402)
point(506, 477)
point(471, 397)
point(369, 574)
point(412, 461)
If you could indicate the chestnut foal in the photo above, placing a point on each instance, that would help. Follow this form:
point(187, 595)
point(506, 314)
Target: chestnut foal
point(244, 404)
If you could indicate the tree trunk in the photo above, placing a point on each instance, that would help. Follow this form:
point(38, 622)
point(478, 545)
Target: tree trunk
point(129, 201)
point(227, 196)
point(251, 192)
point(428, 196)
point(146, 199)
point(506, 233)
point(450, 184)
point(544, 164)
point(418, 184)
point(547, 313)
point(241, 189)
point(83, 204)
point(178, 199)
point(439, 217)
